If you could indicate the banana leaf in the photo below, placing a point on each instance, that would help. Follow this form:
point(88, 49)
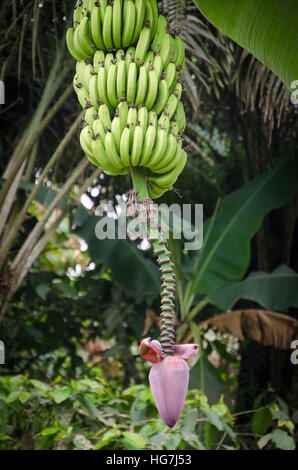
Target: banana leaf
point(268, 29)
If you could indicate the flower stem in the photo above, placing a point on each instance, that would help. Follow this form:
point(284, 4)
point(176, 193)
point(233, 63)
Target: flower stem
point(149, 215)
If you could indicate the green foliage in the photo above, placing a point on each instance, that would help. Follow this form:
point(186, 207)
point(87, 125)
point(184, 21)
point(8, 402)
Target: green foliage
point(266, 29)
point(91, 413)
point(225, 255)
point(276, 291)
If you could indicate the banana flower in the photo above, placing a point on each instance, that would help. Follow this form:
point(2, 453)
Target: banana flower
point(168, 377)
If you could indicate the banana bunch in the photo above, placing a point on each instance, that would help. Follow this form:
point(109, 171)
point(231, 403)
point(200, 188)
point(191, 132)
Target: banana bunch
point(108, 25)
point(136, 137)
point(128, 81)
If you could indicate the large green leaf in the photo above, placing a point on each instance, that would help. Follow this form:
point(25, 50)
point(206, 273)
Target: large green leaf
point(265, 28)
point(276, 291)
point(225, 254)
point(129, 265)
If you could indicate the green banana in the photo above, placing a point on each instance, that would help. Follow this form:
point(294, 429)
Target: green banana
point(141, 86)
point(168, 155)
point(98, 60)
point(76, 53)
point(129, 57)
point(124, 147)
point(83, 97)
point(152, 89)
point(149, 18)
point(131, 121)
point(160, 33)
point(107, 28)
point(140, 14)
point(129, 15)
point(121, 79)
point(122, 111)
point(116, 131)
point(88, 70)
point(102, 84)
point(86, 140)
point(102, 158)
point(111, 151)
point(104, 115)
point(170, 73)
point(143, 117)
point(111, 85)
point(167, 50)
point(137, 146)
point(179, 52)
point(91, 116)
point(158, 65)
point(162, 96)
point(131, 83)
point(155, 191)
point(180, 117)
point(159, 148)
point(169, 178)
point(117, 23)
point(99, 131)
point(78, 12)
point(95, 28)
point(149, 142)
point(83, 38)
point(93, 90)
point(142, 45)
point(149, 59)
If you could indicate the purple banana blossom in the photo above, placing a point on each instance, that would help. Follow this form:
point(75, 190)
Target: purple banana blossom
point(168, 377)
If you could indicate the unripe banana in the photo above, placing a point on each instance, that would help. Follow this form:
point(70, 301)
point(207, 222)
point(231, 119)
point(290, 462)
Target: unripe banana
point(162, 97)
point(169, 178)
point(116, 131)
point(159, 148)
point(107, 27)
point(141, 86)
point(117, 23)
point(111, 85)
point(76, 53)
point(170, 72)
point(122, 111)
point(91, 116)
point(96, 28)
point(124, 147)
point(143, 117)
point(149, 142)
point(98, 130)
point(180, 117)
point(142, 45)
point(168, 155)
point(111, 151)
point(93, 90)
point(131, 83)
point(104, 115)
point(98, 60)
point(129, 15)
point(152, 89)
point(155, 191)
point(121, 79)
point(131, 121)
point(140, 14)
point(137, 145)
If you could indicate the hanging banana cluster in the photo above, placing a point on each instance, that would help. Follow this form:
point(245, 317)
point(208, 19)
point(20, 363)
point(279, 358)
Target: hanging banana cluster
point(127, 80)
